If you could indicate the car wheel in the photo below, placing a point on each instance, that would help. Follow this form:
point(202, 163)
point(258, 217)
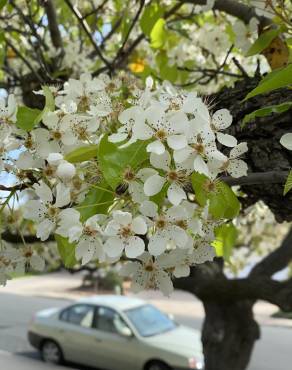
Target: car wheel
point(51, 352)
point(157, 365)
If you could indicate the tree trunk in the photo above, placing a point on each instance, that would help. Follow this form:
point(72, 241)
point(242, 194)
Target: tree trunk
point(228, 336)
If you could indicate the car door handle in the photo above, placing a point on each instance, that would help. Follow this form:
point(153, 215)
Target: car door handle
point(61, 331)
point(98, 339)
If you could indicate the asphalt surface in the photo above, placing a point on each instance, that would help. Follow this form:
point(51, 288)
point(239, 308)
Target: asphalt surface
point(272, 352)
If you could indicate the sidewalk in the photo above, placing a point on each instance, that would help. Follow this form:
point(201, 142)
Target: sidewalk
point(63, 285)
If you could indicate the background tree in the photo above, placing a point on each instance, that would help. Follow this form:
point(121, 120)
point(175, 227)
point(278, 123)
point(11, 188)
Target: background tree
point(222, 49)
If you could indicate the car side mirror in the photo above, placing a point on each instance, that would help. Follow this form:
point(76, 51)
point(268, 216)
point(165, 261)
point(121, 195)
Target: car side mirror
point(125, 331)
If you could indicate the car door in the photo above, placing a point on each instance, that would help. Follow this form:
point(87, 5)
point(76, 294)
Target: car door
point(75, 333)
point(114, 343)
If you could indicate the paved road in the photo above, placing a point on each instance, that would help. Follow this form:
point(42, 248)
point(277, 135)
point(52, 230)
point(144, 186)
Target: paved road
point(272, 352)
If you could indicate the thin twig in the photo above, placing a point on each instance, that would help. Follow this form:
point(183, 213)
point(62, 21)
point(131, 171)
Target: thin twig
point(87, 30)
point(25, 61)
point(135, 20)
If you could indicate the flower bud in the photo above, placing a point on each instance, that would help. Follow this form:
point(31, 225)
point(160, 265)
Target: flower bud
point(54, 159)
point(66, 170)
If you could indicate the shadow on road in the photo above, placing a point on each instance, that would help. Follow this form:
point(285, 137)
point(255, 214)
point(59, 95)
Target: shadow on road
point(34, 355)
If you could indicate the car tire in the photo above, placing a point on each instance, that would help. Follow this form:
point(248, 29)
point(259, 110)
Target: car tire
point(51, 352)
point(157, 365)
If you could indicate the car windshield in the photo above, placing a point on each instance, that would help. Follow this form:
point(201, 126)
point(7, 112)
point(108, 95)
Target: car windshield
point(149, 321)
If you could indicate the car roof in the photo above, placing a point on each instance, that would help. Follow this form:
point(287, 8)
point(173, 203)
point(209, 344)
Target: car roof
point(115, 301)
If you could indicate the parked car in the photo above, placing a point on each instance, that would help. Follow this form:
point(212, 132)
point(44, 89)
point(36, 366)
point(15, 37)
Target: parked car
point(115, 333)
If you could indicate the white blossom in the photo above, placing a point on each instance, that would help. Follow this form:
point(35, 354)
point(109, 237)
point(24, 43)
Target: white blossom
point(121, 232)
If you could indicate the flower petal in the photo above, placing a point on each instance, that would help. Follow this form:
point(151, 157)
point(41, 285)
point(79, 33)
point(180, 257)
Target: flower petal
point(164, 283)
point(134, 247)
point(114, 247)
point(286, 141)
point(153, 185)
point(119, 136)
point(34, 210)
point(161, 161)
point(44, 192)
point(129, 268)
point(182, 154)
point(175, 194)
point(85, 251)
point(181, 271)
point(177, 142)
point(123, 218)
point(201, 166)
point(157, 244)
point(63, 196)
point(179, 236)
point(227, 140)
point(238, 150)
point(156, 147)
point(44, 229)
point(139, 226)
point(237, 168)
point(222, 119)
point(148, 208)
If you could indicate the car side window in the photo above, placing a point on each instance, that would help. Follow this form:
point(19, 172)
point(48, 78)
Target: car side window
point(80, 314)
point(108, 320)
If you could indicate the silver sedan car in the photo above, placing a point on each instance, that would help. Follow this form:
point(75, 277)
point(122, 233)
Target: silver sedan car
point(115, 333)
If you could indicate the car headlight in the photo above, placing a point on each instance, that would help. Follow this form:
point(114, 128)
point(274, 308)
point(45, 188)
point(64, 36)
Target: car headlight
point(195, 364)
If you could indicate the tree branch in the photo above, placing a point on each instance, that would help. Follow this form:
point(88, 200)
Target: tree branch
point(25, 61)
point(219, 289)
point(257, 178)
point(275, 261)
point(235, 8)
point(18, 239)
point(53, 24)
point(14, 187)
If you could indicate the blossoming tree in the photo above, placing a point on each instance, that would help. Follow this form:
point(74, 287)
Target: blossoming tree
point(125, 127)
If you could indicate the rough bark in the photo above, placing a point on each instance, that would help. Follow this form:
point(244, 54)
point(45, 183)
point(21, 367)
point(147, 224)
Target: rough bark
point(229, 329)
point(263, 138)
point(228, 336)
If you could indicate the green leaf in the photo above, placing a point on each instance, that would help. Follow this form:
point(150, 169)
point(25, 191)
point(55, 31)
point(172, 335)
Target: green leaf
point(150, 15)
point(97, 201)
point(27, 118)
point(226, 236)
point(266, 111)
point(66, 251)
point(274, 80)
point(166, 72)
point(113, 160)
point(198, 182)
point(3, 3)
point(158, 35)
point(82, 154)
point(263, 42)
point(288, 184)
point(50, 100)
point(223, 203)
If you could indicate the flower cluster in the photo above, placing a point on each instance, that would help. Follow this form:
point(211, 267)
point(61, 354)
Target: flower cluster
point(145, 212)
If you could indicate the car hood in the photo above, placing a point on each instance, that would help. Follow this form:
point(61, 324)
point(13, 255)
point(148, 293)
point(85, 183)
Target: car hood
point(181, 340)
point(47, 312)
